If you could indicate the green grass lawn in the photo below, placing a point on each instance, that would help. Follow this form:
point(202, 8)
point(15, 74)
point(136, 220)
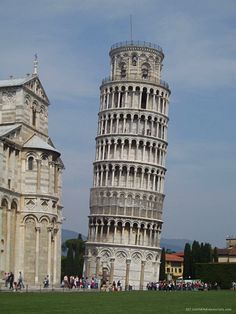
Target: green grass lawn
point(137, 302)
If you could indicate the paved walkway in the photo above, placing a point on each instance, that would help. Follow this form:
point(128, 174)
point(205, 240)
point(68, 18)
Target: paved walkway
point(45, 290)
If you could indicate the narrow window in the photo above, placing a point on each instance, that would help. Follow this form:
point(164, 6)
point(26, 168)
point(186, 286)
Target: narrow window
point(30, 163)
point(144, 99)
point(34, 117)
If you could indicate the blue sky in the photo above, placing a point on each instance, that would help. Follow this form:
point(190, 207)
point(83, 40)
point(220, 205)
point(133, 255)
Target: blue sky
point(72, 39)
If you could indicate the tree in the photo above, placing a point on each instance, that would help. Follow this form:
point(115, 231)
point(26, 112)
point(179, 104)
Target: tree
point(163, 265)
point(73, 262)
point(187, 261)
point(208, 253)
point(79, 255)
point(196, 257)
point(215, 255)
point(69, 264)
point(197, 253)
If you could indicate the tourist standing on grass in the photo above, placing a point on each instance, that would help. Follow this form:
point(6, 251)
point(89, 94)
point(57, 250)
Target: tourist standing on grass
point(11, 280)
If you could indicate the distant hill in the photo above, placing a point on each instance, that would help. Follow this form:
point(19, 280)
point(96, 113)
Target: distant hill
point(69, 234)
point(171, 244)
point(175, 245)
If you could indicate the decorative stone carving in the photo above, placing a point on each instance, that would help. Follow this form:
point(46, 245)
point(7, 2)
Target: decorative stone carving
point(105, 254)
point(30, 203)
point(44, 203)
point(9, 96)
point(149, 258)
point(136, 257)
point(121, 256)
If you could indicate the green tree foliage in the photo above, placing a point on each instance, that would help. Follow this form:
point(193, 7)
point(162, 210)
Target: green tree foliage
point(197, 253)
point(72, 264)
point(196, 256)
point(79, 255)
point(162, 266)
point(69, 264)
point(222, 273)
point(187, 261)
point(215, 255)
point(63, 265)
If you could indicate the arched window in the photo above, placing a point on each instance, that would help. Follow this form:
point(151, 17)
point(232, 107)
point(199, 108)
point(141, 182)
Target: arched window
point(145, 70)
point(123, 69)
point(14, 205)
point(134, 59)
point(30, 163)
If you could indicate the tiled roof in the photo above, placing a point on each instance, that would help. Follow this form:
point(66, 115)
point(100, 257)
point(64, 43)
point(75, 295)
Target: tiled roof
point(14, 82)
point(5, 129)
point(174, 258)
point(227, 251)
point(37, 142)
point(180, 254)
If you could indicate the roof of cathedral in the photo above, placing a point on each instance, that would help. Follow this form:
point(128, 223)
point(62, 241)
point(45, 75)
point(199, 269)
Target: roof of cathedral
point(37, 142)
point(5, 129)
point(15, 82)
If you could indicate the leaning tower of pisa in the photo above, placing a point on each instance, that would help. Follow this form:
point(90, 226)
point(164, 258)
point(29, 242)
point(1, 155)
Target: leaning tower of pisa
point(126, 200)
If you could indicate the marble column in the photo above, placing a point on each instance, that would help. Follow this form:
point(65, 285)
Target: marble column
point(142, 275)
point(49, 252)
point(128, 262)
point(112, 261)
point(97, 265)
point(37, 230)
point(38, 175)
point(55, 255)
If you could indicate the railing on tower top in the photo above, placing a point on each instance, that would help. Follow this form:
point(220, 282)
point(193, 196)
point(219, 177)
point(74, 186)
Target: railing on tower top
point(135, 78)
point(136, 43)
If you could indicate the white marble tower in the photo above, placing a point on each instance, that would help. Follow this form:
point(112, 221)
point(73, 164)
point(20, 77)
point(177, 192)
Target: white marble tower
point(126, 199)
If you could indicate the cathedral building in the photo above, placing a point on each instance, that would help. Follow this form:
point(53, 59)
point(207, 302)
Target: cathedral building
point(30, 184)
point(126, 200)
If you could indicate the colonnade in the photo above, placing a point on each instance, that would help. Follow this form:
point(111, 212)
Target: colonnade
point(108, 197)
point(133, 96)
point(142, 233)
point(145, 178)
point(133, 123)
point(131, 149)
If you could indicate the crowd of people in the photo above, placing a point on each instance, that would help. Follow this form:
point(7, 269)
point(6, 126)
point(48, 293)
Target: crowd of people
point(12, 283)
point(76, 282)
point(71, 282)
point(111, 286)
point(183, 285)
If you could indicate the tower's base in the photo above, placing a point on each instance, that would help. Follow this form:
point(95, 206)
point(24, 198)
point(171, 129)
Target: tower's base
point(133, 266)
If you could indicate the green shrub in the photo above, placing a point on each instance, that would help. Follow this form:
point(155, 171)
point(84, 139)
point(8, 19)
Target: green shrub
point(222, 273)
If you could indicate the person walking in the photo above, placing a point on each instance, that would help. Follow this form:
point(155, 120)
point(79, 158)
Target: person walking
point(46, 282)
point(20, 283)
